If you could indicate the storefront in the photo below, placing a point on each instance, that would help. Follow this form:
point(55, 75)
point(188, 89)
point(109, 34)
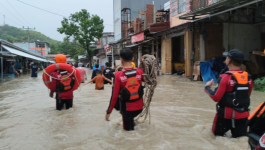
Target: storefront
point(21, 59)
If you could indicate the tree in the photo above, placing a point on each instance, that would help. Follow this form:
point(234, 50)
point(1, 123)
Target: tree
point(83, 28)
point(66, 47)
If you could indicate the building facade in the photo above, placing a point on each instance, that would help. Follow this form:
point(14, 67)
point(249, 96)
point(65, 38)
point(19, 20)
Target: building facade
point(186, 32)
point(103, 52)
point(202, 30)
point(40, 48)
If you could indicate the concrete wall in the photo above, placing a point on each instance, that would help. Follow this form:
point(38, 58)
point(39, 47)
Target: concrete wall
point(242, 36)
point(262, 28)
point(213, 38)
point(117, 19)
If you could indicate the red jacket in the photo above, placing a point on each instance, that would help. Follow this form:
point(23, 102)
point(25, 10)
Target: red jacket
point(64, 95)
point(226, 84)
point(120, 82)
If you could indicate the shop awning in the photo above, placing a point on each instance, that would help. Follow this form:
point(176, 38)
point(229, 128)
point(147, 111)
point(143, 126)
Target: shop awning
point(20, 53)
point(136, 44)
point(7, 54)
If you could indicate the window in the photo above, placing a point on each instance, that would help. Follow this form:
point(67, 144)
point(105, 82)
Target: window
point(181, 6)
point(173, 9)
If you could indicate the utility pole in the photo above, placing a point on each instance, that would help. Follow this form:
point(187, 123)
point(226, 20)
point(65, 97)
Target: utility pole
point(2, 66)
point(28, 33)
point(4, 19)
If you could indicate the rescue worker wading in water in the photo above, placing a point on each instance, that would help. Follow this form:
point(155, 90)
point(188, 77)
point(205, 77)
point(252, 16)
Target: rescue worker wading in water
point(62, 84)
point(232, 96)
point(128, 86)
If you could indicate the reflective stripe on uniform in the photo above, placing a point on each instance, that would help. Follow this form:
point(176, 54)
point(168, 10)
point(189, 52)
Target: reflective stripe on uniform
point(57, 66)
point(130, 72)
point(133, 94)
point(242, 88)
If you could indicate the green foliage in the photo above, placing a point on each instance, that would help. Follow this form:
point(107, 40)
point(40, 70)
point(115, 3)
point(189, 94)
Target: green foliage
point(13, 34)
point(69, 48)
point(260, 84)
point(83, 28)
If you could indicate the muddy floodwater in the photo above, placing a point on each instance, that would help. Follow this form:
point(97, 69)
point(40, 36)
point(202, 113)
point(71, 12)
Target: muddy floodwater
point(181, 119)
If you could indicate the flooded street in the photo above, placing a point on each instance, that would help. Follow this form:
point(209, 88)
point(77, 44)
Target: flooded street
point(181, 119)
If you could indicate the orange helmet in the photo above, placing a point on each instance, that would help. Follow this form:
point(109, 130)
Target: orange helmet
point(60, 58)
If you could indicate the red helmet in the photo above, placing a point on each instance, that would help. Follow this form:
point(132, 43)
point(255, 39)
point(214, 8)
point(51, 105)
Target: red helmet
point(60, 58)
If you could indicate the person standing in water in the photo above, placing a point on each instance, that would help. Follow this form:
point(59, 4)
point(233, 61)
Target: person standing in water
point(232, 96)
point(34, 70)
point(12, 69)
point(128, 85)
point(62, 84)
point(99, 80)
point(108, 72)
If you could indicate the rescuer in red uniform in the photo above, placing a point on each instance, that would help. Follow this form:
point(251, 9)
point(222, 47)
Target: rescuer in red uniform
point(128, 86)
point(232, 96)
point(62, 83)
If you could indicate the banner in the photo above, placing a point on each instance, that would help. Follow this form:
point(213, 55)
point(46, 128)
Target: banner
point(137, 38)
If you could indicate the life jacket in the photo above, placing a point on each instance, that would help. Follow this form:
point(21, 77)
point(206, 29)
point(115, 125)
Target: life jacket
point(133, 90)
point(65, 83)
point(239, 98)
point(256, 121)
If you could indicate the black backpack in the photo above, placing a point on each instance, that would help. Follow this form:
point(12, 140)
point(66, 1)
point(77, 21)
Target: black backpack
point(66, 82)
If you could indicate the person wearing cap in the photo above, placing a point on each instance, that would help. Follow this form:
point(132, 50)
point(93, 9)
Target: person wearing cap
point(63, 97)
point(232, 95)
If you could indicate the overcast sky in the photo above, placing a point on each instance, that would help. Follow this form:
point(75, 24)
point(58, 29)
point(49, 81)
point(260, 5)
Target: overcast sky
point(19, 13)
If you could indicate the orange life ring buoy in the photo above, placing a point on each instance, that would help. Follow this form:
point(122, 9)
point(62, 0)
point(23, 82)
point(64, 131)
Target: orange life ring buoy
point(46, 76)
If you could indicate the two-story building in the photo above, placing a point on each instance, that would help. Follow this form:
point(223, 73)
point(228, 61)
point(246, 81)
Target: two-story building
point(103, 51)
point(135, 22)
point(204, 29)
point(183, 32)
point(40, 48)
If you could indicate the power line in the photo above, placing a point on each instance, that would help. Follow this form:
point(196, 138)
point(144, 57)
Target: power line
point(28, 33)
point(20, 14)
point(41, 9)
point(49, 11)
point(11, 13)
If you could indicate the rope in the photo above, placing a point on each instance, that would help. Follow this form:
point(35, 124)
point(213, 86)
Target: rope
point(59, 78)
point(73, 72)
point(77, 79)
point(149, 65)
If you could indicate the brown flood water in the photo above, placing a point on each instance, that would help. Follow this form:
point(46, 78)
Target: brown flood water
point(181, 119)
